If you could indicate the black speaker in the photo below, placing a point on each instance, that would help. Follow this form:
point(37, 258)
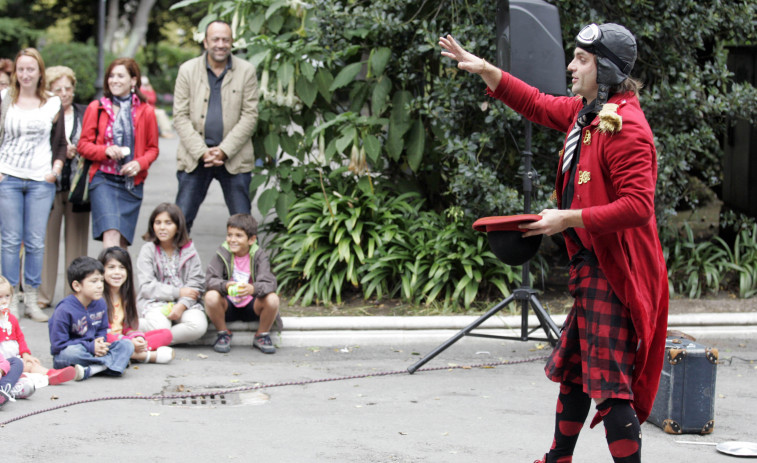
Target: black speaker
point(740, 145)
point(529, 44)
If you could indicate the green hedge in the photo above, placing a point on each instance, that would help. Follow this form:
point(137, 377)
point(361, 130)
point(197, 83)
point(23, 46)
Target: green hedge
point(367, 84)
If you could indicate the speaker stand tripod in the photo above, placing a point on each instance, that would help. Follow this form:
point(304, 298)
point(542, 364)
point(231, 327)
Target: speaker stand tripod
point(524, 295)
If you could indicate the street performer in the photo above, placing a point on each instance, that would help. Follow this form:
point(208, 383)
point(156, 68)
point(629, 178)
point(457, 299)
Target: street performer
point(611, 347)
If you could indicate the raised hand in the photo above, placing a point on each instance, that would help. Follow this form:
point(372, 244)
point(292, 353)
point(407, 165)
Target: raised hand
point(465, 60)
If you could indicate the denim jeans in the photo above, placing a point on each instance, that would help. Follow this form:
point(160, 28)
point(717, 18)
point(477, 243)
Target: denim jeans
point(17, 367)
point(193, 186)
point(24, 209)
point(116, 360)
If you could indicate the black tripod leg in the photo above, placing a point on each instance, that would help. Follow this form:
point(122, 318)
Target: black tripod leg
point(549, 326)
point(412, 368)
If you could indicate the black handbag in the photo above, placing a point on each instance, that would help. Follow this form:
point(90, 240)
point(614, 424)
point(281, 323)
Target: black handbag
point(78, 194)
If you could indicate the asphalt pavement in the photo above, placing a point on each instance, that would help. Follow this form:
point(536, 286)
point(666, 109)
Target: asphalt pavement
point(338, 390)
point(481, 400)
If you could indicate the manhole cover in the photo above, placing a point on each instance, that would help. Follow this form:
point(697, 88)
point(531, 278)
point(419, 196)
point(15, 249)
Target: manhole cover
point(200, 399)
point(215, 399)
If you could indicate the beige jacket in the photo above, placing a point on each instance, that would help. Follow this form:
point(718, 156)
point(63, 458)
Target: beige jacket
point(239, 97)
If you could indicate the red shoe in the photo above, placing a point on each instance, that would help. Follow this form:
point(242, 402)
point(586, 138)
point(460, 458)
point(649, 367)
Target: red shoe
point(55, 377)
point(543, 460)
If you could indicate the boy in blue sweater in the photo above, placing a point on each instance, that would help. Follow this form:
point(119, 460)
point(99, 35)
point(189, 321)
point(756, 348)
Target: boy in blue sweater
point(79, 326)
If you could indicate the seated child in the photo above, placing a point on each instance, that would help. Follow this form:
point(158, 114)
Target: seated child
point(13, 342)
point(240, 285)
point(121, 299)
point(12, 385)
point(170, 278)
point(79, 326)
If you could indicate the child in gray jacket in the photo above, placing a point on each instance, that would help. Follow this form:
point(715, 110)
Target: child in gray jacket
point(170, 278)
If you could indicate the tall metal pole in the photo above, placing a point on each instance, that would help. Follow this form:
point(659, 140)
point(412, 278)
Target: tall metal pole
point(100, 48)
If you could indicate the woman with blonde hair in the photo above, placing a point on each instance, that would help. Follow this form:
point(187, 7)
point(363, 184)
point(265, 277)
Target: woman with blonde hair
point(32, 151)
point(61, 81)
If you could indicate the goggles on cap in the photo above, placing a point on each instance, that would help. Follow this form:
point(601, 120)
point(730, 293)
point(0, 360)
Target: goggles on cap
point(589, 35)
point(590, 39)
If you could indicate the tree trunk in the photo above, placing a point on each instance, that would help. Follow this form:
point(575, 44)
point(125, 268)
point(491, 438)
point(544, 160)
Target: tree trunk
point(139, 28)
point(111, 24)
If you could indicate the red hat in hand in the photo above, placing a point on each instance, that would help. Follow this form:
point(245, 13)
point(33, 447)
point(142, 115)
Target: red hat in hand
point(506, 238)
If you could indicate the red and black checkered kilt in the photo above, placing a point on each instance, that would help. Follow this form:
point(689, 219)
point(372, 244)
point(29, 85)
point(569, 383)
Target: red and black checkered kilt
point(597, 347)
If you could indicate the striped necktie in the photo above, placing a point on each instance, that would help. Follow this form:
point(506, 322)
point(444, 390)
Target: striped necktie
point(570, 145)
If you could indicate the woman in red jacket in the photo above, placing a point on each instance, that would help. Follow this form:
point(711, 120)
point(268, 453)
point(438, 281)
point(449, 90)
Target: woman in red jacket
point(120, 137)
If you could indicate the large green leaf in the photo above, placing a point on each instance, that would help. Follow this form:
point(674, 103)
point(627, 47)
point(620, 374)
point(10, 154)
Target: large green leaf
point(285, 72)
point(258, 57)
point(394, 143)
point(274, 7)
point(399, 124)
point(323, 80)
point(184, 3)
point(380, 93)
point(306, 90)
point(400, 117)
point(348, 136)
point(256, 182)
point(283, 202)
point(415, 145)
point(271, 143)
point(372, 147)
point(256, 23)
point(345, 76)
point(307, 70)
point(275, 23)
point(379, 58)
point(267, 199)
point(289, 143)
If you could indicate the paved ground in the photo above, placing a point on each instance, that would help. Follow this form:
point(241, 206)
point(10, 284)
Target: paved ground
point(502, 413)
point(498, 414)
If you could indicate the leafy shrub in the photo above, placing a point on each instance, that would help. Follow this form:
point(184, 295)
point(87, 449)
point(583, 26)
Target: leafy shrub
point(161, 61)
point(82, 59)
point(363, 84)
point(328, 237)
point(695, 268)
point(431, 258)
point(742, 261)
point(382, 245)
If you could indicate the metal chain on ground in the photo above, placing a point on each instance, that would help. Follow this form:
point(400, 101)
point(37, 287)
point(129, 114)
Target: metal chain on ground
point(190, 395)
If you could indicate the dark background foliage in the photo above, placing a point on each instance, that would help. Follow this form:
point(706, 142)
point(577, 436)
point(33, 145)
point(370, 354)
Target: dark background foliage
point(367, 85)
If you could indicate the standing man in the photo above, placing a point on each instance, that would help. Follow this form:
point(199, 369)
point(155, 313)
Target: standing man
point(215, 110)
point(612, 344)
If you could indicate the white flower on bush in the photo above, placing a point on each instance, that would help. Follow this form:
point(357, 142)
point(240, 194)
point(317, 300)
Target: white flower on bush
point(279, 98)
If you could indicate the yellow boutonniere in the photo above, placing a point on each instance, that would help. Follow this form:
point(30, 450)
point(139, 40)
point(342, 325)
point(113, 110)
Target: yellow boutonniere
point(609, 119)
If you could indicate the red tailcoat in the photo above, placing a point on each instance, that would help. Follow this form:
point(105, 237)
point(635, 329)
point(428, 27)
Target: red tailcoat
point(614, 187)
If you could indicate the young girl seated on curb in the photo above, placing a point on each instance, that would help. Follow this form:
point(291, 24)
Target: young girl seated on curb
point(171, 279)
point(13, 344)
point(121, 299)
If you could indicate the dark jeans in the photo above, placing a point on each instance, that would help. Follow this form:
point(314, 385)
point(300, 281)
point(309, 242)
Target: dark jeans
point(193, 186)
point(11, 378)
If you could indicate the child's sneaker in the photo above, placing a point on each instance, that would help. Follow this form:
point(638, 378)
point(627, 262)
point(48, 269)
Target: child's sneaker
point(263, 342)
point(82, 373)
point(223, 342)
point(23, 388)
point(164, 354)
point(5, 395)
point(55, 377)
